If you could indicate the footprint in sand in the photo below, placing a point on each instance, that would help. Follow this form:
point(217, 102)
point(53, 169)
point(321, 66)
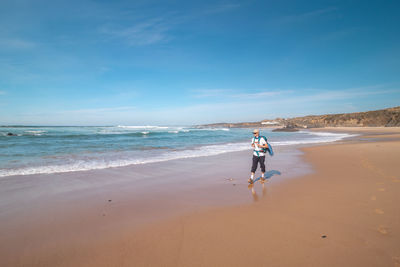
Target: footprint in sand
point(396, 261)
point(381, 189)
point(379, 211)
point(379, 183)
point(383, 230)
point(373, 198)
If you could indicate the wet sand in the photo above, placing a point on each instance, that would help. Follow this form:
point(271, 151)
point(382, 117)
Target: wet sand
point(56, 220)
point(344, 213)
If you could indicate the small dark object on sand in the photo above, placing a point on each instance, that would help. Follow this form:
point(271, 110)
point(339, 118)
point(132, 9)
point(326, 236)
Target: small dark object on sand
point(324, 236)
point(109, 200)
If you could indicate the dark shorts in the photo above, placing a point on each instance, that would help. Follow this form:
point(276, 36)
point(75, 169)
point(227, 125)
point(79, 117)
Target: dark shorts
point(256, 160)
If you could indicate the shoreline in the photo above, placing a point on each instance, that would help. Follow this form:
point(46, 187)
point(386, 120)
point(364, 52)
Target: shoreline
point(52, 163)
point(114, 219)
point(337, 216)
point(45, 214)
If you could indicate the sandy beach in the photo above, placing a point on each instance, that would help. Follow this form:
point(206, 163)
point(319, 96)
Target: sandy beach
point(333, 205)
point(129, 131)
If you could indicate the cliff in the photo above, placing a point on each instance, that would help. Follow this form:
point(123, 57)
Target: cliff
point(389, 117)
point(385, 117)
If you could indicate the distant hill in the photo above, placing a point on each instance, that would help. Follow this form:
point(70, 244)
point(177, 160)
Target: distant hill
point(385, 117)
point(389, 117)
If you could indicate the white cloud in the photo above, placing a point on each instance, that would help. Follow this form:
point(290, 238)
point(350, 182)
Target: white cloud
point(157, 29)
point(272, 104)
point(2, 92)
point(90, 116)
point(254, 107)
point(322, 95)
point(154, 30)
point(222, 8)
point(230, 93)
point(263, 94)
point(303, 17)
point(16, 43)
point(99, 110)
point(143, 33)
point(339, 34)
point(205, 93)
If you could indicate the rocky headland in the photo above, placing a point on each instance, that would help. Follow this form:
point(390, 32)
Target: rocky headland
point(389, 117)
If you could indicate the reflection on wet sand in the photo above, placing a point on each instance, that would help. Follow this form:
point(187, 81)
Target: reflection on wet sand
point(254, 193)
point(268, 175)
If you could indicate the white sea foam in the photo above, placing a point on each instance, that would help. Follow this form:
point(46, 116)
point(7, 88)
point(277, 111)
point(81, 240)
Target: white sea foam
point(143, 127)
point(122, 129)
point(82, 165)
point(139, 129)
point(36, 133)
point(110, 131)
point(330, 137)
point(321, 137)
point(207, 150)
point(213, 129)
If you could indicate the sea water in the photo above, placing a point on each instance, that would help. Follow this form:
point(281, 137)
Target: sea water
point(35, 150)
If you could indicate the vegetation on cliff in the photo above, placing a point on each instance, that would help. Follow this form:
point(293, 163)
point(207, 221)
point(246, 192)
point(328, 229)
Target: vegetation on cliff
point(389, 117)
point(384, 117)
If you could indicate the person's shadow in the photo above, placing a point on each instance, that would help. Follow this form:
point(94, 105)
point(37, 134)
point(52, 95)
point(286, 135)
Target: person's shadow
point(268, 175)
point(271, 173)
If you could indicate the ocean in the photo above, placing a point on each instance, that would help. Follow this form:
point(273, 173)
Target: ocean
point(45, 150)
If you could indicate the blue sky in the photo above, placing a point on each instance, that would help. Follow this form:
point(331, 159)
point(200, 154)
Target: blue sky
point(191, 62)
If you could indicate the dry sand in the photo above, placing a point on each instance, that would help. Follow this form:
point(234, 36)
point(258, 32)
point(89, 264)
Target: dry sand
point(345, 213)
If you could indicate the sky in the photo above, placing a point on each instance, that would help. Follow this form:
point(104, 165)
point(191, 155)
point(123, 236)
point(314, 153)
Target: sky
point(193, 62)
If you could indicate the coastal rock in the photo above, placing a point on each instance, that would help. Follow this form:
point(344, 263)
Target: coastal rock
point(11, 134)
point(287, 128)
point(232, 125)
point(284, 129)
point(389, 117)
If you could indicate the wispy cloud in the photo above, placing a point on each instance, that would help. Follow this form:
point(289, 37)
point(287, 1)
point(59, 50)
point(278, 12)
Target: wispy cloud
point(86, 116)
point(222, 8)
point(16, 43)
point(205, 93)
point(227, 109)
point(153, 30)
point(351, 93)
point(303, 17)
point(146, 32)
point(340, 34)
point(262, 94)
point(2, 92)
point(277, 103)
point(118, 94)
point(230, 93)
point(99, 111)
